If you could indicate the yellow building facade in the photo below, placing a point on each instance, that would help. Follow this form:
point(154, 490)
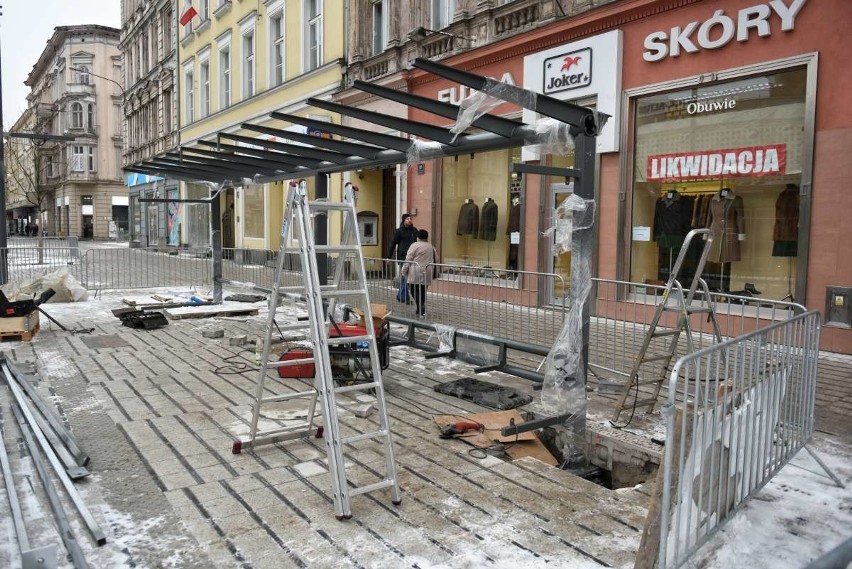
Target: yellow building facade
point(238, 61)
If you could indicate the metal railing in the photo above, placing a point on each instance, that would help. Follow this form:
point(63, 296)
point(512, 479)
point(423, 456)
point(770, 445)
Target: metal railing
point(622, 309)
point(125, 268)
point(504, 304)
point(737, 412)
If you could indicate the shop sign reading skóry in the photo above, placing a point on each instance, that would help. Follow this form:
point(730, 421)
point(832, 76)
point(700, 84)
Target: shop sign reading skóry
point(567, 71)
point(720, 29)
point(767, 160)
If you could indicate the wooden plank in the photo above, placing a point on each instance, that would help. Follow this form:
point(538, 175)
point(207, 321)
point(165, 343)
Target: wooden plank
point(210, 311)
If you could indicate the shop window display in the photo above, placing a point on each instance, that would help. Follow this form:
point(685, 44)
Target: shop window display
point(253, 211)
point(481, 212)
point(727, 157)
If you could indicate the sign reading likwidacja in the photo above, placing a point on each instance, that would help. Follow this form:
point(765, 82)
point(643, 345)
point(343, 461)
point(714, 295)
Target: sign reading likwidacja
point(767, 160)
point(720, 29)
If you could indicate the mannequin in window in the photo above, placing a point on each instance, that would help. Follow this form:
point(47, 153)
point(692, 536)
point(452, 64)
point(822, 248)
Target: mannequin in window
point(468, 219)
point(513, 226)
point(727, 225)
point(672, 221)
point(488, 225)
point(785, 234)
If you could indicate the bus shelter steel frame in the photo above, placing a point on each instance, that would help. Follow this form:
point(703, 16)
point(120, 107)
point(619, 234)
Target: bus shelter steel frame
point(233, 158)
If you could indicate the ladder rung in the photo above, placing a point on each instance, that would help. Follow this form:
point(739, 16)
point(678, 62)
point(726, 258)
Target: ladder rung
point(343, 292)
point(644, 402)
point(661, 357)
point(294, 362)
point(325, 206)
point(336, 248)
point(357, 387)
point(363, 437)
point(386, 483)
point(689, 309)
point(337, 340)
point(288, 396)
point(667, 332)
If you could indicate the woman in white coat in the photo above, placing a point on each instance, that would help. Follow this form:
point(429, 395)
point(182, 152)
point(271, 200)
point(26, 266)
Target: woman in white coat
point(418, 269)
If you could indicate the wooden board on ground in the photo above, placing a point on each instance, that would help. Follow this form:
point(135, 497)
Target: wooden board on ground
point(139, 300)
point(210, 311)
point(517, 446)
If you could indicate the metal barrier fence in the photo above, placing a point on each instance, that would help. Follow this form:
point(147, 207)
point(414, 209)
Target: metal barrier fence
point(737, 412)
point(621, 311)
point(113, 267)
point(125, 268)
point(503, 304)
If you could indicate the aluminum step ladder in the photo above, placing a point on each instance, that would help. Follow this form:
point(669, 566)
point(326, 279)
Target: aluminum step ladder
point(297, 237)
point(651, 367)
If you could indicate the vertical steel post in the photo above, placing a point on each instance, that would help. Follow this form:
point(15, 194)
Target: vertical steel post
point(321, 227)
point(216, 244)
point(583, 242)
point(4, 259)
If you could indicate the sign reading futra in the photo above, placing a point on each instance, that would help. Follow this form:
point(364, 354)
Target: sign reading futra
point(568, 71)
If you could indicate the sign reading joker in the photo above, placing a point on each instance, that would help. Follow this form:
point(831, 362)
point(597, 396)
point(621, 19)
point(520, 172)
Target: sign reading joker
point(567, 71)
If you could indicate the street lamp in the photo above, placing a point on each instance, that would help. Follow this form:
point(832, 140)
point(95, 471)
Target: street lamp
point(87, 72)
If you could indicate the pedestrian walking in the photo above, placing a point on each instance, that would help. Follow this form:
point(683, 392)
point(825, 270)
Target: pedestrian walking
point(419, 269)
point(403, 238)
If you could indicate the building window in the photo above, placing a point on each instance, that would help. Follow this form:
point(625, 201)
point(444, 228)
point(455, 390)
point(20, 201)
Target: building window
point(90, 116)
point(146, 62)
point(313, 34)
point(248, 64)
point(166, 26)
point(727, 157)
point(204, 87)
point(380, 27)
point(442, 13)
point(480, 193)
point(87, 200)
point(82, 74)
point(167, 111)
point(225, 77)
point(276, 46)
point(189, 90)
point(253, 211)
point(76, 115)
point(203, 10)
point(90, 159)
point(78, 158)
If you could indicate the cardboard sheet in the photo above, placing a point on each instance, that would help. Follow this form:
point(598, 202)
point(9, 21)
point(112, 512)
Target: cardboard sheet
point(524, 444)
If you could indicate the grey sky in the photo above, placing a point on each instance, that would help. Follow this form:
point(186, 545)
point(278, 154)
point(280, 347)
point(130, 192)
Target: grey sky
point(25, 27)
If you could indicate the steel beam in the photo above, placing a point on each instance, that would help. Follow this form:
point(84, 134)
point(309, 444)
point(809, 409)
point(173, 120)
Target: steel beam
point(350, 132)
point(351, 148)
point(295, 149)
point(491, 123)
point(403, 125)
point(279, 157)
point(588, 121)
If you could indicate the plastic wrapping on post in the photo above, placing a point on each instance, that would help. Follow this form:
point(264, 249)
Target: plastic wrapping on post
point(563, 389)
point(551, 137)
point(446, 336)
point(421, 150)
point(493, 94)
point(573, 214)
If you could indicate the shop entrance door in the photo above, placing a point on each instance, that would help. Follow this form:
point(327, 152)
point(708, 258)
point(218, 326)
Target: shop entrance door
point(88, 227)
point(560, 261)
point(153, 224)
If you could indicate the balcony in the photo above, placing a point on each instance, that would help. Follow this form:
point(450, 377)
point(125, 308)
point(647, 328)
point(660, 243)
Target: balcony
point(80, 89)
point(516, 18)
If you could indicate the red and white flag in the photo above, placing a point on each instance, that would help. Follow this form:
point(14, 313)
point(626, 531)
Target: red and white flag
point(188, 13)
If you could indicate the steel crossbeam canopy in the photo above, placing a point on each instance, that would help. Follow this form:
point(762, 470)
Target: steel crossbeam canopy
point(277, 154)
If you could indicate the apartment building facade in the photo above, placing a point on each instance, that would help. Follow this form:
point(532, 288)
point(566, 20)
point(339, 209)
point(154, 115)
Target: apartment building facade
point(75, 92)
point(238, 62)
point(149, 49)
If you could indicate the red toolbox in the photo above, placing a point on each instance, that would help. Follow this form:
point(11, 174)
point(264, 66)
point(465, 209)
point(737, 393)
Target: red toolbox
point(301, 370)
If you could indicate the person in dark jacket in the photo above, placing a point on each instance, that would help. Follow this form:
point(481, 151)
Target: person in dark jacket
point(404, 236)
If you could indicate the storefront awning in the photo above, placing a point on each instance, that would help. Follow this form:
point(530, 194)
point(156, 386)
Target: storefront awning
point(233, 159)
